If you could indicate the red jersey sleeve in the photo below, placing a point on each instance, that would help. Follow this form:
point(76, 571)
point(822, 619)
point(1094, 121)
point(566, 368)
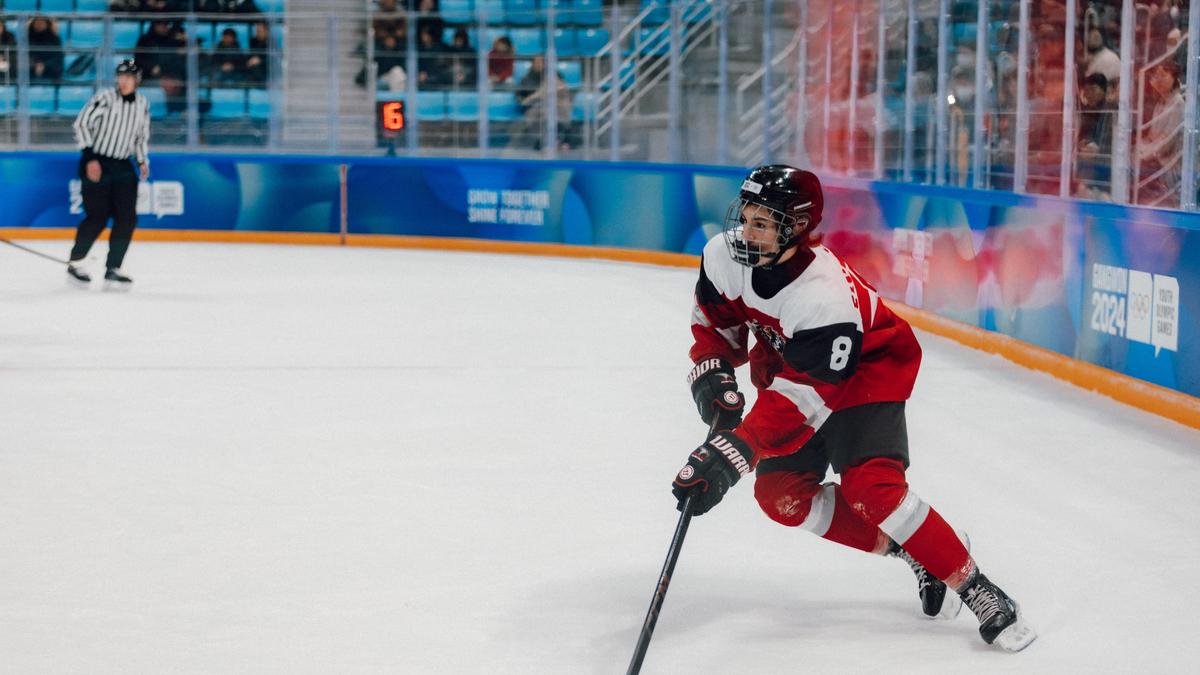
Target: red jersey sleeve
point(718, 327)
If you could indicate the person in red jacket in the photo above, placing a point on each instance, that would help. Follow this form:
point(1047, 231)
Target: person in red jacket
point(833, 366)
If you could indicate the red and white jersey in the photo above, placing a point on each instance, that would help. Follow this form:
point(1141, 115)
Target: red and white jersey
point(824, 341)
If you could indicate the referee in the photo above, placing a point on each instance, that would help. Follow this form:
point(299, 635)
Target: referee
point(111, 129)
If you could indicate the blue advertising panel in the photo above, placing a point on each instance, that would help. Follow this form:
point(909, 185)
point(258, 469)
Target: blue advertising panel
point(1114, 286)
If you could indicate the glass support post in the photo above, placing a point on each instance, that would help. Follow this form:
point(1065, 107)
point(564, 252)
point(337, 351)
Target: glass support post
point(1021, 162)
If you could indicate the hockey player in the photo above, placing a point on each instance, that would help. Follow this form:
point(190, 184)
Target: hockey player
point(833, 367)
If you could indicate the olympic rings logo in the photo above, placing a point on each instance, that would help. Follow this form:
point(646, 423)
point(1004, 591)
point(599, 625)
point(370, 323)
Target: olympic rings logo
point(1139, 304)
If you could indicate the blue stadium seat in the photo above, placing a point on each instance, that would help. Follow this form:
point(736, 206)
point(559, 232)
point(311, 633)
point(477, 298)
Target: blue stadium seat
point(571, 73)
point(494, 9)
point(76, 71)
point(502, 107)
point(585, 106)
point(201, 30)
point(660, 14)
point(431, 106)
point(57, 5)
point(8, 100)
point(463, 105)
point(457, 11)
point(72, 99)
point(91, 5)
point(520, 70)
point(260, 104)
point(522, 12)
point(588, 13)
point(21, 5)
point(564, 42)
point(228, 103)
point(41, 100)
point(627, 77)
point(527, 41)
point(650, 44)
point(563, 10)
point(591, 40)
point(964, 33)
point(87, 34)
point(271, 6)
point(157, 99)
point(698, 12)
point(125, 34)
point(490, 34)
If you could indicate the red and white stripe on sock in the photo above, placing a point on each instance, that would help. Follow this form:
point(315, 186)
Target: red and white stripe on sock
point(878, 491)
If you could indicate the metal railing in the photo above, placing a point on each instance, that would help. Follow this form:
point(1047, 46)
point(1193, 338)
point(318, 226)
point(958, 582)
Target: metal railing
point(984, 95)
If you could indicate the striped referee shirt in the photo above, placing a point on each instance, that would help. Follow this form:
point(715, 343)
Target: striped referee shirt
point(113, 127)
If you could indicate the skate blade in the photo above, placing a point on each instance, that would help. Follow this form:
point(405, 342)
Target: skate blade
point(116, 287)
point(77, 283)
point(951, 606)
point(1016, 637)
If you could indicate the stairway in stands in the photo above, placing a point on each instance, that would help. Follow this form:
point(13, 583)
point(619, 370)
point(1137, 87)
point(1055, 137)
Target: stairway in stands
point(308, 69)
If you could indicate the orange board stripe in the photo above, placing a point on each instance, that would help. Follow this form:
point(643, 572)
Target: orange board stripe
point(384, 241)
point(1152, 398)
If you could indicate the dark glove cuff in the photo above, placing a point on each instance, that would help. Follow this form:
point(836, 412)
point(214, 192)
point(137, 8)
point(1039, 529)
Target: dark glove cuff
point(88, 155)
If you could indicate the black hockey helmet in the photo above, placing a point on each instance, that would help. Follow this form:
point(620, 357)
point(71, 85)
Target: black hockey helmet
point(783, 205)
point(129, 67)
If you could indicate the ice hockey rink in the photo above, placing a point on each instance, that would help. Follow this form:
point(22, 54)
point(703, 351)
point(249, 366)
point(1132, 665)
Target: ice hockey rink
point(335, 460)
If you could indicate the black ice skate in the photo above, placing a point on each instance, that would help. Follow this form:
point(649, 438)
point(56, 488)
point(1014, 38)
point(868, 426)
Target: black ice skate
point(1000, 620)
point(935, 602)
point(77, 276)
point(115, 281)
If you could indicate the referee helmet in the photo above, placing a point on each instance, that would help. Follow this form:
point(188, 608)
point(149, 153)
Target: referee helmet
point(129, 67)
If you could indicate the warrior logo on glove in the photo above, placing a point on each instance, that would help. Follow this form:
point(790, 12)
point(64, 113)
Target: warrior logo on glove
point(711, 470)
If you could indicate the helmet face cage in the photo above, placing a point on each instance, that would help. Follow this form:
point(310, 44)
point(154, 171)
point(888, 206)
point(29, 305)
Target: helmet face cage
point(759, 241)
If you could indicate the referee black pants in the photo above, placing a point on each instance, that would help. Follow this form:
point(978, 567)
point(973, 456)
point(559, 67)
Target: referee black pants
point(113, 196)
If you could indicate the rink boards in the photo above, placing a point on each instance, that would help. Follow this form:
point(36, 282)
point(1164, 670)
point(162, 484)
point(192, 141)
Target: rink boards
point(1112, 286)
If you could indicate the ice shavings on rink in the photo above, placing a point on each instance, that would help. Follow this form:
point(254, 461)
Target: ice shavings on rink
point(290, 459)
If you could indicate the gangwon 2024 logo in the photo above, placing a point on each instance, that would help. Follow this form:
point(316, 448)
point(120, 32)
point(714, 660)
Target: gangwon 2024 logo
point(1135, 305)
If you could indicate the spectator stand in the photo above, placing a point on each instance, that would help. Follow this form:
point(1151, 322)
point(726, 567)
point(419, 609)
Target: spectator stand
point(38, 107)
point(464, 95)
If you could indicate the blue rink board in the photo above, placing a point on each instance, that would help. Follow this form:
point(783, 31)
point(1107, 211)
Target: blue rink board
point(1116, 286)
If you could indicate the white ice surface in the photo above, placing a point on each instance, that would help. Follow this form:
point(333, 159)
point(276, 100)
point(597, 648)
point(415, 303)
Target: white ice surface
point(289, 459)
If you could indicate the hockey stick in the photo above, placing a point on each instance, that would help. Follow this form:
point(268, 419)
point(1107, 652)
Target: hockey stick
point(37, 253)
point(660, 593)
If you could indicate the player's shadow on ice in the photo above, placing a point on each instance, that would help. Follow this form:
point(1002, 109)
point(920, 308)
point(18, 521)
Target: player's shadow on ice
point(799, 610)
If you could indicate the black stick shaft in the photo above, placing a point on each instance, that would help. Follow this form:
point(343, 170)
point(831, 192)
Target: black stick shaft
point(660, 593)
point(37, 253)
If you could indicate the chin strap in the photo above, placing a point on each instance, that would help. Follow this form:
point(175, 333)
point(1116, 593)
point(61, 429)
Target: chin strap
point(775, 259)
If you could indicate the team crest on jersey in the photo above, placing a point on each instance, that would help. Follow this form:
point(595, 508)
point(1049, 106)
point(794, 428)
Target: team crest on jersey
point(768, 335)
